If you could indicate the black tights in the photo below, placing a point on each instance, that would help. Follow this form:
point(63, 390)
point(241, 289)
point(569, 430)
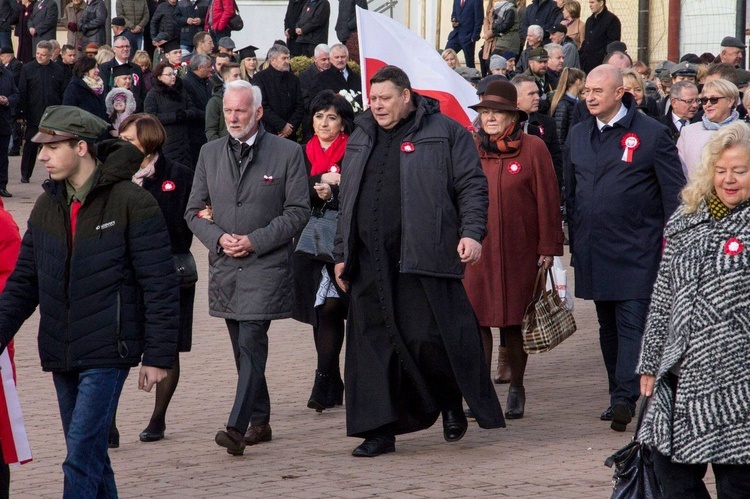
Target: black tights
point(164, 391)
point(511, 338)
point(329, 335)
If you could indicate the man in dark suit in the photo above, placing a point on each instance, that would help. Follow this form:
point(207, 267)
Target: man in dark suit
point(622, 182)
point(13, 65)
point(8, 100)
point(321, 62)
point(684, 108)
point(122, 50)
point(43, 21)
point(539, 124)
point(338, 77)
point(602, 28)
point(467, 18)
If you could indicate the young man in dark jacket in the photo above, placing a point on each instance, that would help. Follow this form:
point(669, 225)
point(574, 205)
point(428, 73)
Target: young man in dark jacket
point(96, 258)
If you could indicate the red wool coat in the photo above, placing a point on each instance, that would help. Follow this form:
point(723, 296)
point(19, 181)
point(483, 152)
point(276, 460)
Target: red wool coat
point(523, 222)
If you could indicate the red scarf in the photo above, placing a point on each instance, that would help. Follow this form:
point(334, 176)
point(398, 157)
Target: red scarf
point(323, 160)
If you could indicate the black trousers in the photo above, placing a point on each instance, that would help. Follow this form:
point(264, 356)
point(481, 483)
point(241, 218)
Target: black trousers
point(621, 325)
point(4, 143)
point(30, 150)
point(685, 481)
point(252, 405)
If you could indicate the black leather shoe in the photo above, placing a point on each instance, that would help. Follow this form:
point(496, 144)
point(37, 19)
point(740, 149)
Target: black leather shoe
point(232, 440)
point(606, 415)
point(4, 193)
point(454, 425)
point(14, 153)
point(375, 446)
point(514, 408)
point(469, 413)
point(113, 441)
point(24, 180)
point(621, 416)
point(153, 432)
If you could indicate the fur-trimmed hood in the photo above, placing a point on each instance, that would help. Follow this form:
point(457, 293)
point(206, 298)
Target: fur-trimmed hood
point(129, 103)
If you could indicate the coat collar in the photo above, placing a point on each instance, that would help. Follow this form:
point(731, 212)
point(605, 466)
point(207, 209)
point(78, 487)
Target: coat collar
point(425, 107)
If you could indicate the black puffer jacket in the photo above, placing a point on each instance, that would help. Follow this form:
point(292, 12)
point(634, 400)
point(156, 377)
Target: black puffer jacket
point(110, 294)
point(163, 22)
point(443, 192)
point(564, 117)
point(174, 109)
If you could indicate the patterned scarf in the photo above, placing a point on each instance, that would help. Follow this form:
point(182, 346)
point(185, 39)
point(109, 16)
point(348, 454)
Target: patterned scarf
point(710, 125)
point(146, 171)
point(506, 142)
point(96, 85)
point(719, 210)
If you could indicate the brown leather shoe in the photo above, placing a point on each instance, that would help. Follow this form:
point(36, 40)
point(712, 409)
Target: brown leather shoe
point(258, 434)
point(231, 440)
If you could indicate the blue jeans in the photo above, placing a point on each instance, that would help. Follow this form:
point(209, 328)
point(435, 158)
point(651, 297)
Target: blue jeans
point(87, 401)
point(138, 41)
point(5, 39)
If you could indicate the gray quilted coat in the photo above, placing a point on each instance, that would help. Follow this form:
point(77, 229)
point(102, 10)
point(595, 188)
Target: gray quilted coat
point(270, 203)
point(700, 318)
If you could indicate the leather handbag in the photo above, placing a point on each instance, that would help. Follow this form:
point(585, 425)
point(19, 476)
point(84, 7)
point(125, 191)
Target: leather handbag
point(634, 476)
point(316, 239)
point(547, 322)
point(187, 272)
point(235, 22)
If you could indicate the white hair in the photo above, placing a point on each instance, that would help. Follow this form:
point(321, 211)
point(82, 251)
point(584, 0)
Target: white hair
point(553, 46)
point(321, 48)
point(245, 86)
point(535, 30)
point(340, 46)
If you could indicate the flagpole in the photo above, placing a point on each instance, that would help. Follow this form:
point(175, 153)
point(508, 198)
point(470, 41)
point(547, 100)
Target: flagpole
point(437, 22)
point(408, 14)
point(423, 18)
point(362, 62)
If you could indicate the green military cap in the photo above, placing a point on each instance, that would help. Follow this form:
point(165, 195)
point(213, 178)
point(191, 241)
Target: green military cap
point(68, 122)
point(684, 69)
point(538, 54)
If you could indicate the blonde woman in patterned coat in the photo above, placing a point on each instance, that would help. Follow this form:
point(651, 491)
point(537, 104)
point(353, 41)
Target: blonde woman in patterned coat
point(695, 359)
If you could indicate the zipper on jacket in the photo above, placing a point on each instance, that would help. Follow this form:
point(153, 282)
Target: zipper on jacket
point(68, 258)
point(122, 347)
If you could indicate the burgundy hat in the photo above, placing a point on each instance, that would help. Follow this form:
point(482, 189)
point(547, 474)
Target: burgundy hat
point(501, 95)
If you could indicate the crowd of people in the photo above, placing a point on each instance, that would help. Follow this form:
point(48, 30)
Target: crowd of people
point(174, 131)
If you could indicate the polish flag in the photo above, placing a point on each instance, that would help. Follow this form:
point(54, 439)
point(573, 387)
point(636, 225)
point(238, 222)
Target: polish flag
point(383, 41)
point(13, 437)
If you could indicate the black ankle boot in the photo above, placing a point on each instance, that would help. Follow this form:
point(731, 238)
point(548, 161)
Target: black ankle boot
point(321, 397)
point(516, 402)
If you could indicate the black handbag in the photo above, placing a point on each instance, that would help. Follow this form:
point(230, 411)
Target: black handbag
point(634, 476)
point(235, 22)
point(187, 272)
point(316, 239)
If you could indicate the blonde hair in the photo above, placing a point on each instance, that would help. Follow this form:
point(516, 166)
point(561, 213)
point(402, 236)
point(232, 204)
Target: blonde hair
point(103, 55)
point(142, 59)
point(447, 52)
point(700, 186)
point(725, 88)
point(634, 77)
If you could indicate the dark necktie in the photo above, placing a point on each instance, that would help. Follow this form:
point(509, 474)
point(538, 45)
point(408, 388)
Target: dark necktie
point(683, 122)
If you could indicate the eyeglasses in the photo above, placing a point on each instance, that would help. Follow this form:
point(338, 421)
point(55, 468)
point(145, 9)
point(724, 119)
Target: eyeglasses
point(122, 46)
point(712, 100)
point(690, 102)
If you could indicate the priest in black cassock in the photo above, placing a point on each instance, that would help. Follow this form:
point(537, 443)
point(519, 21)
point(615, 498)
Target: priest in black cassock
point(413, 212)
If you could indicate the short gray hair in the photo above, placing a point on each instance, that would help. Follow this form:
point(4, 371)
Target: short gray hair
point(45, 45)
point(276, 51)
point(553, 46)
point(247, 87)
point(199, 60)
point(676, 91)
point(535, 30)
point(340, 46)
point(120, 38)
point(321, 48)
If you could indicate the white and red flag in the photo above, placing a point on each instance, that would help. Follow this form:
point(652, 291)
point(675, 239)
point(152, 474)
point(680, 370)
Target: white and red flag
point(383, 41)
point(13, 438)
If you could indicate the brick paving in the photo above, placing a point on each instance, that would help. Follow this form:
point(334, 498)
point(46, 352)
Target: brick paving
point(556, 451)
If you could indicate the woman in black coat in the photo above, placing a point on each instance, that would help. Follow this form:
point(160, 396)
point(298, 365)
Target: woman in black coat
point(569, 88)
point(170, 184)
point(317, 299)
point(168, 101)
point(86, 89)
point(25, 50)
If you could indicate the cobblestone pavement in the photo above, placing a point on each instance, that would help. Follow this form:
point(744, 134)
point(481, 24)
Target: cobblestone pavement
point(556, 451)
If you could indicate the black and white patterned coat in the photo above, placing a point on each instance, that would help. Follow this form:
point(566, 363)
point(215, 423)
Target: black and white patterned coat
point(700, 316)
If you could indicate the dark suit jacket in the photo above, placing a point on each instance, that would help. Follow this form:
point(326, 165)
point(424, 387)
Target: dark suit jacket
point(548, 133)
point(43, 19)
point(282, 99)
point(306, 81)
point(332, 79)
point(470, 18)
point(7, 89)
point(617, 209)
point(666, 120)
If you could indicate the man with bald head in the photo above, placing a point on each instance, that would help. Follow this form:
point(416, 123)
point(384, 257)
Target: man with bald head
point(622, 180)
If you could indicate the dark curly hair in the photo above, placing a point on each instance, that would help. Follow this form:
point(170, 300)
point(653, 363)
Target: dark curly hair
point(83, 65)
point(327, 99)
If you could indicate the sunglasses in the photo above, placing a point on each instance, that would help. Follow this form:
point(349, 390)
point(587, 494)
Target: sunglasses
point(712, 100)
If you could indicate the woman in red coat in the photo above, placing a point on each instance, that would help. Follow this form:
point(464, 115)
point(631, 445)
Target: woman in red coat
point(217, 20)
point(524, 228)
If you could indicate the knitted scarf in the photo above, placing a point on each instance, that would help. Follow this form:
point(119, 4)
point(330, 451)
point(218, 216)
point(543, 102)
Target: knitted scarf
point(97, 85)
point(505, 142)
point(146, 171)
point(323, 159)
point(710, 125)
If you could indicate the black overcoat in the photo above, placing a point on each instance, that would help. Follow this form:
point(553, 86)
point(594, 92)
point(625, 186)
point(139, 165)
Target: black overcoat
point(79, 94)
point(282, 99)
point(333, 79)
point(601, 30)
point(7, 89)
point(40, 86)
point(314, 22)
point(617, 209)
point(174, 109)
